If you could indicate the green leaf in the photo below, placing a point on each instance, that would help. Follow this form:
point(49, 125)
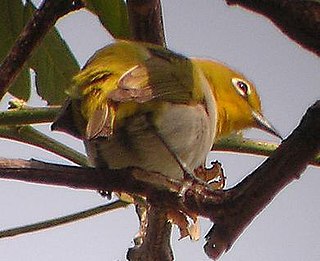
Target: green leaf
point(113, 15)
point(52, 61)
point(11, 23)
point(21, 88)
point(54, 65)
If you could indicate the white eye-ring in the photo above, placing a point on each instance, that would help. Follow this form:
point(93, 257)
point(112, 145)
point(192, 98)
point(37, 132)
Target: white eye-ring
point(242, 87)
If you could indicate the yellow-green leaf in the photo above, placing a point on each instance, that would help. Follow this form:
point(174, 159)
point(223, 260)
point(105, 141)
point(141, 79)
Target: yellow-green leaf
point(54, 65)
point(113, 15)
point(52, 61)
point(11, 23)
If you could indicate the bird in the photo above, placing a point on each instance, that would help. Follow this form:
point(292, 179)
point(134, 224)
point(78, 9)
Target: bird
point(142, 105)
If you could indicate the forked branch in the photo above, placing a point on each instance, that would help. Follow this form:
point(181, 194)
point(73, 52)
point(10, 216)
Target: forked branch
point(230, 210)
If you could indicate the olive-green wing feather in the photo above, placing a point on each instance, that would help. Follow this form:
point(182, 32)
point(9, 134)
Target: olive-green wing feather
point(163, 76)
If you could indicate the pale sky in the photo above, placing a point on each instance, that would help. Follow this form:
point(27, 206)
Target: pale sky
point(287, 78)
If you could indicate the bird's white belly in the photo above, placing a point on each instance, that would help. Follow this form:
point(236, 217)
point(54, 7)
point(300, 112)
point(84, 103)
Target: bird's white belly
point(180, 129)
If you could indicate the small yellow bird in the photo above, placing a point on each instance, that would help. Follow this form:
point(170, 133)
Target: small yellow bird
point(138, 104)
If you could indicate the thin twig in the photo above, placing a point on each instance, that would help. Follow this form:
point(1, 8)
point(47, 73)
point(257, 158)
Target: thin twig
point(28, 115)
point(248, 146)
point(30, 135)
point(18, 231)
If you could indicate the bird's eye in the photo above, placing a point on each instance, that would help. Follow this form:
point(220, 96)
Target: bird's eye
point(242, 87)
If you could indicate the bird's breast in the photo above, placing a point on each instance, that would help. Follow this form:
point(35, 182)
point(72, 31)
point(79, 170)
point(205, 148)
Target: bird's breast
point(149, 140)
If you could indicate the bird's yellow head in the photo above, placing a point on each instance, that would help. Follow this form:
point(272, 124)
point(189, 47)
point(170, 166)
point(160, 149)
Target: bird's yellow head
point(237, 100)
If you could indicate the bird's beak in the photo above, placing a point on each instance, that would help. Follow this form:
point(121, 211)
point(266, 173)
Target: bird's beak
point(264, 124)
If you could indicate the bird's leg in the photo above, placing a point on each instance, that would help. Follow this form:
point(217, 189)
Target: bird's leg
point(189, 177)
point(188, 174)
point(101, 164)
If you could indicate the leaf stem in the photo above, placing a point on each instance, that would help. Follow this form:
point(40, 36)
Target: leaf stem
point(245, 145)
point(29, 115)
point(30, 135)
point(18, 231)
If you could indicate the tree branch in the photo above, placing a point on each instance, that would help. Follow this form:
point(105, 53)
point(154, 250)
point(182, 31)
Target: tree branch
point(145, 17)
point(231, 210)
point(300, 20)
point(243, 202)
point(43, 20)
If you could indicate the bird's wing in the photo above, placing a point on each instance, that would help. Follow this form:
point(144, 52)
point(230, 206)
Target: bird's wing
point(129, 73)
point(163, 76)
